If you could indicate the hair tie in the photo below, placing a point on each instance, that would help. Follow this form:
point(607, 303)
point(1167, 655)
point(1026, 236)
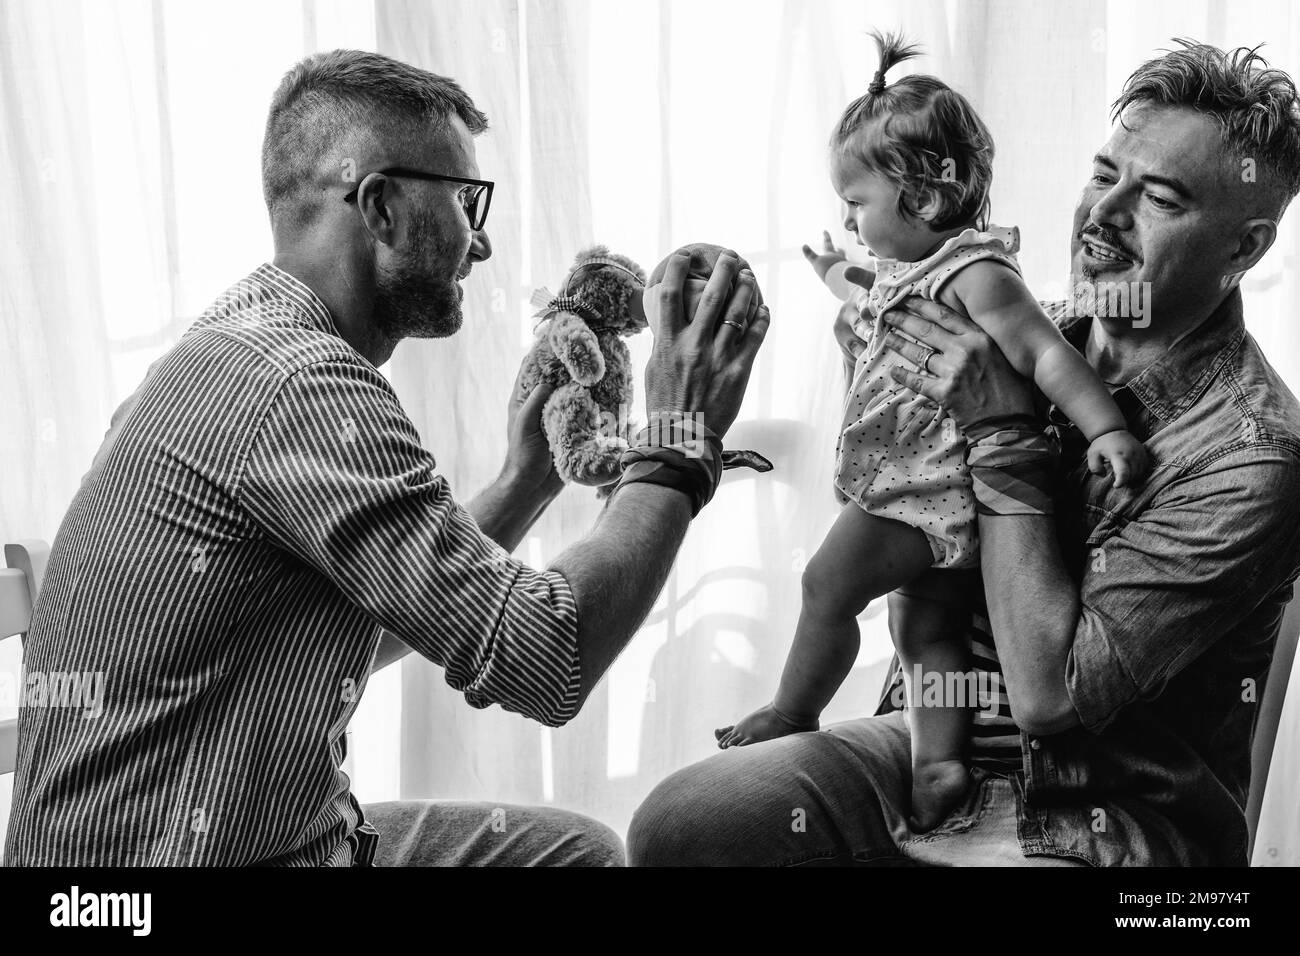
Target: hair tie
point(877, 84)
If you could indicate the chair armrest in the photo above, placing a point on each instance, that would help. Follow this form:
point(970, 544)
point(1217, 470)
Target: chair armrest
point(30, 556)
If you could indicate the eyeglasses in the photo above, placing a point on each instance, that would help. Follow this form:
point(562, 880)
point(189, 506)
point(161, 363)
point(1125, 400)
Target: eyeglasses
point(476, 198)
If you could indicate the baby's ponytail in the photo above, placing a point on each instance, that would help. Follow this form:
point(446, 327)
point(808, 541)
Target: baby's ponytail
point(894, 49)
point(922, 136)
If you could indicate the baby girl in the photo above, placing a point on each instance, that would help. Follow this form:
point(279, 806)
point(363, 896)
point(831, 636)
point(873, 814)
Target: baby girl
point(912, 163)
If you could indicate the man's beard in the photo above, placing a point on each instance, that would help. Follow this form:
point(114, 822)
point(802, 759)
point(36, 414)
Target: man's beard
point(410, 302)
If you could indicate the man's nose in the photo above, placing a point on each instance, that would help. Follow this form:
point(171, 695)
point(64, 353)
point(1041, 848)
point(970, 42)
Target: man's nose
point(480, 246)
point(1111, 210)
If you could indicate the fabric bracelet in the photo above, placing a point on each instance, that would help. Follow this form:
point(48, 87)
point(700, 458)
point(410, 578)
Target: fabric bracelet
point(1012, 472)
point(675, 451)
point(998, 423)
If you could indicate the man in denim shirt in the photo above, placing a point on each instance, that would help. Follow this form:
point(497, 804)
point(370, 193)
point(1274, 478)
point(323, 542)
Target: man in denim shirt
point(1134, 626)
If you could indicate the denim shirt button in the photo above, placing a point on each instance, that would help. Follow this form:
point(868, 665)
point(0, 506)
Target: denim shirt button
point(1035, 743)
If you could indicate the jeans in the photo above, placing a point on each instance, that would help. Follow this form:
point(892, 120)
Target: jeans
point(837, 797)
point(449, 833)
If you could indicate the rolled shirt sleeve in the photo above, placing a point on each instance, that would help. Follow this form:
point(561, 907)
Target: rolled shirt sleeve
point(1207, 552)
point(337, 477)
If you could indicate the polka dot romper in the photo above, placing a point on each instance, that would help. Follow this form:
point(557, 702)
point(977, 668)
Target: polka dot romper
point(897, 457)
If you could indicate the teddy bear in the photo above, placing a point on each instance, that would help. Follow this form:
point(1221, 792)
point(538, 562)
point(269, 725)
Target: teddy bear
point(580, 352)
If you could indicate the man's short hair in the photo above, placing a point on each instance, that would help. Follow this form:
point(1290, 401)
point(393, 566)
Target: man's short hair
point(1256, 107)
point(329, 99)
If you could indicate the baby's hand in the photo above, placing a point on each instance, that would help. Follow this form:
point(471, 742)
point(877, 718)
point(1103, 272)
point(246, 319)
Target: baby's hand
point(829, 256)
point(763, 724)
point(1122, 454)
point(833, 267)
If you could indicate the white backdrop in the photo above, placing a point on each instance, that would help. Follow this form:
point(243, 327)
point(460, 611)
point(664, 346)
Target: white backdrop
point(130, 130)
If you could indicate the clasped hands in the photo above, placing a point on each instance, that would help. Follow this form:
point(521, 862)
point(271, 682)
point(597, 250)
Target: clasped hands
point(706, 313)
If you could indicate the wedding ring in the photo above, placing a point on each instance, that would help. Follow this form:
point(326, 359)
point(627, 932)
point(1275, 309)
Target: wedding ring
point(734, 324)
point(925, 362)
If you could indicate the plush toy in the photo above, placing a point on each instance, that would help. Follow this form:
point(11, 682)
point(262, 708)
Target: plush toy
point(580, 351)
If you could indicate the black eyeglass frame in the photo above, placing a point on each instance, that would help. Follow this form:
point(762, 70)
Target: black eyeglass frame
point(440, 178)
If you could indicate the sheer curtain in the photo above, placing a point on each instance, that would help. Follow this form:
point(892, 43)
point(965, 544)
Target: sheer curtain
point(132, 128)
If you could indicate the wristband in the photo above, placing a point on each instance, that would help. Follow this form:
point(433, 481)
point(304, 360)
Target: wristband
point(1011, 472)
point(675, 451)
point(1017, 422)
point(678, 451)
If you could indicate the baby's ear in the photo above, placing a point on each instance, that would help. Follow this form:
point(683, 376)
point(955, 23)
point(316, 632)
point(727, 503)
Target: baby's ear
point(926, 205)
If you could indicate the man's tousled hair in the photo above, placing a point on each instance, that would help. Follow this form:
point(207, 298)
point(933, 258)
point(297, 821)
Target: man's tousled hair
point(1255, 105)
point(329, 97)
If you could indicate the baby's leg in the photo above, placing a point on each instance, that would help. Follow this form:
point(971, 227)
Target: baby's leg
point(863, 557)
point(928, 633)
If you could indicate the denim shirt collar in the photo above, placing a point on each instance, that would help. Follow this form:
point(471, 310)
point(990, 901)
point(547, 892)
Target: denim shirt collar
point(1174, 382)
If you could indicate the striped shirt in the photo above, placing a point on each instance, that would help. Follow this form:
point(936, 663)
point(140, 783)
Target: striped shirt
point(993, 740)
point(260, 510)
point(994, 736)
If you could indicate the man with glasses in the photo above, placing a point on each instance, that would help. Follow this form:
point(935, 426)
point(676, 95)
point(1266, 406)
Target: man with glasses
point(262, 511)
point(476, 197)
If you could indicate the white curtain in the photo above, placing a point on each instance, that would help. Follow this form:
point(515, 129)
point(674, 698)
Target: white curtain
point(130, 131)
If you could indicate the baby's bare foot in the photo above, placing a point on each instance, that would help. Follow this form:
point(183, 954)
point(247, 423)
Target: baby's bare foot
point(936, 789)
point(766, 723)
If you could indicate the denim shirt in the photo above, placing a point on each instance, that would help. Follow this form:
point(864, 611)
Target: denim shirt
point(1183, 581)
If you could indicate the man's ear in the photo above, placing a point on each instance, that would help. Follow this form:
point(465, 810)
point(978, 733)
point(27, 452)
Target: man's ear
point(376, 212)
point(1254, 239)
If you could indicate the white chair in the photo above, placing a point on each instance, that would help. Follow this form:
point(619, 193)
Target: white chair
point(1272, 697)
point(19, 583)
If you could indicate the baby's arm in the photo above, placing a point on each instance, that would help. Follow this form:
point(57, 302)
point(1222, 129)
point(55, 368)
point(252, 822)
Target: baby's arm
point(848, 281)
point(850, 284)
point(997, 300)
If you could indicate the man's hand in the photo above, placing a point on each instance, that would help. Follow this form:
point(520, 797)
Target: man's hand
point(701, 362)
point(529, 463)
point(967, 374)
point(700, 365)
point(850, 344)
